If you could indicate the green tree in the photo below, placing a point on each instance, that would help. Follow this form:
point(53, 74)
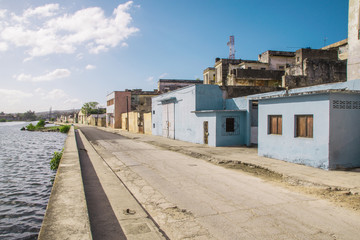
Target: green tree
point(41, 123)
point(29, 116)
point(89, 108)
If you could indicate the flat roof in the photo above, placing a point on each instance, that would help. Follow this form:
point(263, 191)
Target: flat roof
point(328, 91)
point(213, 111)
point(180, 80)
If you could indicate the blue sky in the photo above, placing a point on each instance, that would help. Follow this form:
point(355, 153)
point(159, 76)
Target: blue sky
point(61, 54)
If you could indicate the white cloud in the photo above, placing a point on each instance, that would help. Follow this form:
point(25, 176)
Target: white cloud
point(47, 10)
point(3, 13)
point(39, 100)
point(90, 67)
point(150, 79)
point(3, 46)
point(23, 77)
point(55, 94)
point(52, 33)
point(163, 75)
point(10, 98)
point(56, 74)
point(73, 102)
point(10, 93)
point(57, 98)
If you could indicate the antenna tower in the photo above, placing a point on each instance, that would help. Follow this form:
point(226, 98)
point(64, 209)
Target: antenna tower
point(231, 45)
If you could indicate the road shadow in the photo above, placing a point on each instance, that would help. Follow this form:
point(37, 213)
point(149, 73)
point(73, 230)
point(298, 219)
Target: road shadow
point(103, 222)
point(94, 134)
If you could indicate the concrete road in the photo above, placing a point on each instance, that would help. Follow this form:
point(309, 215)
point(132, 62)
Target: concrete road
point(193, 199)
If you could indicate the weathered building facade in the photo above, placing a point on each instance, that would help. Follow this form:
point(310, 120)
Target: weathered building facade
point(277, 60)
point(313, 67)
point(167, 85)
point(255, 77)
point(123, 102)
point(222, 67)
point(209, 75)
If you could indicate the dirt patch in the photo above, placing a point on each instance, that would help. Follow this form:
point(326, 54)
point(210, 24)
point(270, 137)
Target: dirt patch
point(177, 213)
point(253, 170)
point(341, 197)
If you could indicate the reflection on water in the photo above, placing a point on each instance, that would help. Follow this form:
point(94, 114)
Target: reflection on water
point(25, 178)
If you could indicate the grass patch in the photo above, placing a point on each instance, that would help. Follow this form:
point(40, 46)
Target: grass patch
point(65, 128)
point(55, 161)
point(40, 126)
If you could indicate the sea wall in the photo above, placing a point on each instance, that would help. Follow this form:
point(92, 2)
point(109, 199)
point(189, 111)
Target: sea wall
point(66, 215)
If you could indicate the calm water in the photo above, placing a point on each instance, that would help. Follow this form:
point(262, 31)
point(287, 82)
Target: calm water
point(25, 178)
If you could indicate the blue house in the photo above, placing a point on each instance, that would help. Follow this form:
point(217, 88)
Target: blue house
point(316, 126)
point(319, 129)
point(198, 114)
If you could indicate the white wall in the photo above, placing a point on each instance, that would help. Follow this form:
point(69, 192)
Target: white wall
point(310, 151)
point(344, 131)
point(353, 63)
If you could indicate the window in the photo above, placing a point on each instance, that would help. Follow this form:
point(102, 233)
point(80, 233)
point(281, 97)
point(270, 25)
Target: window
point(298, 59)
point(304, 126)
point(275, 124)
point(281, 67)
point(263, 68)
point(110, 102)
point(249, 67)
point(230, 124)
point(153, 112)
point(153, 125)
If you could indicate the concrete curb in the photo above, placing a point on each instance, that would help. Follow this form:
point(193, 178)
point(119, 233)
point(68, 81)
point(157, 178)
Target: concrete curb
point(137, 224)
point(66, 214)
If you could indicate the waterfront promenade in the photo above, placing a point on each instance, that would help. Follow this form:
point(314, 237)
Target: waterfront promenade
point(181, 196)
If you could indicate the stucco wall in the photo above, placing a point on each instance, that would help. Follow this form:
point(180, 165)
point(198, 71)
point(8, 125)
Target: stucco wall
point(277, 61)
point(344, 131)
point(200, 119)
point(242, 103)
point(123, 118)
point(147, 124)
point(133, 122)
point(208, 98)
point(188, 124)
point(230, 139)
point(353, 67)
point(184, 101)
point(310, 151)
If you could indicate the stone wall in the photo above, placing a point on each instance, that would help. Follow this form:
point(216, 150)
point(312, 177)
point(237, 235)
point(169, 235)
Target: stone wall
point(317, 71)
point(240, 91)
point(258, 74)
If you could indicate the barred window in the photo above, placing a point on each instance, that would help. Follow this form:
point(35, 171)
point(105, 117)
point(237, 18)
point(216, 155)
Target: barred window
point(230, 124)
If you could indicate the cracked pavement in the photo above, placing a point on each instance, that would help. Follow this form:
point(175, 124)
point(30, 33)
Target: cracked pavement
point(190, 198)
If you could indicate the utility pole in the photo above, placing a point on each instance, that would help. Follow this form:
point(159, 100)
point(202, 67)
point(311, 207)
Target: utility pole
point(127, 113)
point(50, 113)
